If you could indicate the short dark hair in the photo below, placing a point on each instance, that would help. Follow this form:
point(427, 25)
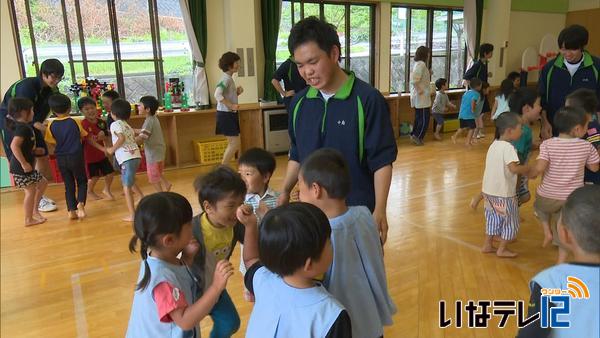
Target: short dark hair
point(151, 102)
point(520, 98)
point(327, 168)
point(581, 215)
point(16, 106)
point(111, 94)
point(218, 184)
point(260, 159)
point(52, 67)
point(59, 103)
point(421, 54)
point(573, 37)
point(513, 76)
point(312, 29)
point(84, 101)
point(440, 82)
point(475, 82)
point(507, 87)
point(506, 121)
point(122, 109)
point(485, 48)
point(290, 234)
point(567, 118)
point(585, 99)
point(227, 60)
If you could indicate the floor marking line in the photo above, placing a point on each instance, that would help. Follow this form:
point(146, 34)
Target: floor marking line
point(79, 307)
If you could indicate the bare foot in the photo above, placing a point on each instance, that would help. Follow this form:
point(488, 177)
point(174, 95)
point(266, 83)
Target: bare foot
point(474, 203)
point(168, 187)
point(34, 221)
point(109, 196)
point(547, 239)
point(437, 137)
point(73, 214)
point(488, 249)
point(453, 138)
point(39, 217)
point(506, 254)
point(94, 196)
point(127, 219)
point(81, 213)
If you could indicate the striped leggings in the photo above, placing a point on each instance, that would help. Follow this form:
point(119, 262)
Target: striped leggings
point(501, 216)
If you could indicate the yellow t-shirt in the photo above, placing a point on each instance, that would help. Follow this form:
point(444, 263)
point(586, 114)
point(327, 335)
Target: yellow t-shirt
point(217, 240)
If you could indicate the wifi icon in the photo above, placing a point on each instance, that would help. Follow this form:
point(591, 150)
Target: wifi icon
point(577, 288)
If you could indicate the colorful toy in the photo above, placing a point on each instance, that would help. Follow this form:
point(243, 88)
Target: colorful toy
point(93, 88)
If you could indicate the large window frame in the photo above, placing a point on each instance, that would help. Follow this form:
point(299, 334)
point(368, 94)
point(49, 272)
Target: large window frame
point(78, 67)
point(409, 55)
point(298, 13)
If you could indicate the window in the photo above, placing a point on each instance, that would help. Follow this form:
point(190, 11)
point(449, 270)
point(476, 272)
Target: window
point(439, 29)
point(355, 26)
point(136, 44)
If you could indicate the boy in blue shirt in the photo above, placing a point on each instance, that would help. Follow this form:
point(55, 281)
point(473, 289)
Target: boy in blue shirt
point(339, 111)
point(466, 114)
point(324, 181)
point(578, 232)
point(292, 251)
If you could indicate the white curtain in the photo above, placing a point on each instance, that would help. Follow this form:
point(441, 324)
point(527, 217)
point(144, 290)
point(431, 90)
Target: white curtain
point(470, 17)
point(200, 82)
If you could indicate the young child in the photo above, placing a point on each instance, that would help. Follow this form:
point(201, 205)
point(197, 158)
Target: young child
point(578, 231)
point(67, 135)
point(227, 94)
point(126, 152)
point(501, 104)
point(95, 159)
point(479, 112)
point(499, 186)
point(561, 161)
point(324, 181)
point(515, 78)
point(466, 114)
point(294, 248)
point(164, 303)
point(220, 193)
point(22, 161)
point(154, 144)
point(587, 100)
point(440, 105)
point(108, 97)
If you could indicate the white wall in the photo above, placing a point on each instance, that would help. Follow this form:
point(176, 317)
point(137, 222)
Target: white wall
point(580, 5)
point(9, 70)
point(527, 29)
point(495, 30)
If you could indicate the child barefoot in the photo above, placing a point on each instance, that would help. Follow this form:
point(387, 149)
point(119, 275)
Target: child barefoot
point(22, 161)
point(466, 115)
point(440, 105)
point(499, 186)
point(97, 163)
point(154, 144)
point(164, 303)
point(561, 161)
point(126, 152)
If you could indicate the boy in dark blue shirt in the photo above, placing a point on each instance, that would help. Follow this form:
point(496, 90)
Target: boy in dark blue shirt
point(292, 81)
point(479, 70)
point(342, 112)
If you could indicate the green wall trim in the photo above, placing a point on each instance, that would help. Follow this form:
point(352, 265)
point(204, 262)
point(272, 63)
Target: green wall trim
point(447, 3)
point(540, 6)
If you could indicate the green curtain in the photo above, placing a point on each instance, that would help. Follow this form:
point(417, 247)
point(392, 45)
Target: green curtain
point(479, 14)
point(270, 13)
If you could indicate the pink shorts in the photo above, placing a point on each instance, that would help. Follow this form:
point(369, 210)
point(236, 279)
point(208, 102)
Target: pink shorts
point(154, 171)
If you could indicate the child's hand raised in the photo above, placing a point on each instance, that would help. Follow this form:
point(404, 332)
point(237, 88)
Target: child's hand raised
point(223, 271)
point(245, 215)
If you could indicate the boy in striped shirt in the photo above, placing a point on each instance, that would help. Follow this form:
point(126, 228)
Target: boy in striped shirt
point(562, 161)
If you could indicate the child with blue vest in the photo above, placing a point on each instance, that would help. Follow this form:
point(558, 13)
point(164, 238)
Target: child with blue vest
point(67, 134)
point(586, 99)
point(220, 193)
point(226, 94)
point(507, 87)
point(578, 231)
point(357, 276)
point(466, 114)
point(256, 167)
point(340, 111)
point(164, 303)
point(22, 158)
point(293, 249)
point(479, 112)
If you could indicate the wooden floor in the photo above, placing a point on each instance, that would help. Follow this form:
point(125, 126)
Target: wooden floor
point(75, 278)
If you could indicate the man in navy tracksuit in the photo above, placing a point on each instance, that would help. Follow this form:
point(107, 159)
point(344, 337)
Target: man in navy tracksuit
point(292, 81)
point(342, 112)
point(38, 90)
point(479, 69)
point(574, 68)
